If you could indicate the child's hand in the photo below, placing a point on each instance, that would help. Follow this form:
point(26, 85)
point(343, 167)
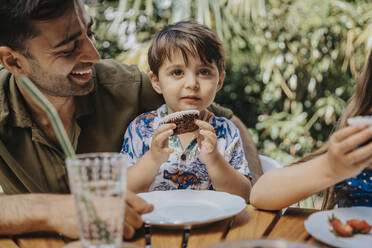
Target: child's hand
point(207, 141)
point(345, 158)
point(159, 145)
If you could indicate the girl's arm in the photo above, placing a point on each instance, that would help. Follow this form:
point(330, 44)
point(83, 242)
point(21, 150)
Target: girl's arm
point(223, 176)
point(279, 188)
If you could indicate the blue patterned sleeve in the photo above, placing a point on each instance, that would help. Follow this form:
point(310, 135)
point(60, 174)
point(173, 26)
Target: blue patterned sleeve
point(131, 144)
point(234, 152)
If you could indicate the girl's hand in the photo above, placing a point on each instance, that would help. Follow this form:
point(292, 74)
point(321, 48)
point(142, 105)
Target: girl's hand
point(159, 150)
point(345, 158)
point(207, 141)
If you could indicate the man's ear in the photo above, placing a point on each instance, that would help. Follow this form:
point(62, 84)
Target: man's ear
point(12, 60)
point(220, 81)
point(155, 82)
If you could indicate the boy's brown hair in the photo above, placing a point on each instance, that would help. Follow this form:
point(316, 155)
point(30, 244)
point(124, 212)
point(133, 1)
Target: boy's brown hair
point(191, 38)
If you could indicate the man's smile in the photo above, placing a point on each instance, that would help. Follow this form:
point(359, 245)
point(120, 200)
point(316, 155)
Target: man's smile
point(82, 75)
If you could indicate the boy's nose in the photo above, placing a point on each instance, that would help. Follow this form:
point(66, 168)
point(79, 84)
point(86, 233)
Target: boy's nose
point(192, 82)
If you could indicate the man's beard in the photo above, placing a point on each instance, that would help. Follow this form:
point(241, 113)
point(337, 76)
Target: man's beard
point(55, 84)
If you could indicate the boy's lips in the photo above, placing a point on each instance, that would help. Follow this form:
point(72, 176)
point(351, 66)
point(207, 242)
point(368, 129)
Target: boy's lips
point(194, 98)
point(191, 100)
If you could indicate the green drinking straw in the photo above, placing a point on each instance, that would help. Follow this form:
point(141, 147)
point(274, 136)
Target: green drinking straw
point(65, 143)
point(53, 116)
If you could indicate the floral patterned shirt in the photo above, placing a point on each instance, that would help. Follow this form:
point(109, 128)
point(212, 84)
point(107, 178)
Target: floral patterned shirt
point(183, 170)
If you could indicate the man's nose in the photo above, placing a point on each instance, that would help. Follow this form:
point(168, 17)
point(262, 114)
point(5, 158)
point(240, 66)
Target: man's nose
point(88, 51)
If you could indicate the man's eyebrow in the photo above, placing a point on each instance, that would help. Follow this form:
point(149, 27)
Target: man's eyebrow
point(73, 36)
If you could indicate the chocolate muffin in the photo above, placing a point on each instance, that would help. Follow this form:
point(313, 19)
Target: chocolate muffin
point(184, 121)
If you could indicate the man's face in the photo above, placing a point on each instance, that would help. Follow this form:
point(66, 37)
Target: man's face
point(62, 55)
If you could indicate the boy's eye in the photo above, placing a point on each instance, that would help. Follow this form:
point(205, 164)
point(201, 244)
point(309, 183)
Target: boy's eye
point(204, 72)
point(177, 73)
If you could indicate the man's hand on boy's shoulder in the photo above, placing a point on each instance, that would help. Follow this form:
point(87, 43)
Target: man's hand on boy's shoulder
point(220, 111)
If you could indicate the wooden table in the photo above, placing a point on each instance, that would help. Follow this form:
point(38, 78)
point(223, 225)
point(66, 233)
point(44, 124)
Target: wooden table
point(249, 224)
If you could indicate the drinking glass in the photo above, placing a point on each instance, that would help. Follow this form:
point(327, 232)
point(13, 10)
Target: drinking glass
point(98, 183)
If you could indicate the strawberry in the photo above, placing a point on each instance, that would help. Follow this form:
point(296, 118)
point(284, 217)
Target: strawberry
point(359, 226)
point(343, 230)
point(366, 229)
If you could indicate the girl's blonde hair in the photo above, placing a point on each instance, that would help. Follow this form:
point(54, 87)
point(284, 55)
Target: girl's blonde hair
point(360, 104)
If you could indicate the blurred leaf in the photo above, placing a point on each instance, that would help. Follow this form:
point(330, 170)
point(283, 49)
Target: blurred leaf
point(291, 64)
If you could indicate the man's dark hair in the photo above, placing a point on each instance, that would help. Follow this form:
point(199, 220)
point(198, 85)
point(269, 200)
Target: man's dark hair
point(16, 17)
point(191, 38)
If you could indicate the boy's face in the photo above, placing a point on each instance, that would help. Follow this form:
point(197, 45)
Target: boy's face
point(186, 87)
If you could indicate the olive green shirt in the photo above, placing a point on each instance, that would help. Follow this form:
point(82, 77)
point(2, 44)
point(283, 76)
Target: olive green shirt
point(31, 163)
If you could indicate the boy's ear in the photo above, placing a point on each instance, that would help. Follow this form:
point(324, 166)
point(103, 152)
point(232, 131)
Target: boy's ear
point(12, 61)
point(155, 82)
point(220, 81)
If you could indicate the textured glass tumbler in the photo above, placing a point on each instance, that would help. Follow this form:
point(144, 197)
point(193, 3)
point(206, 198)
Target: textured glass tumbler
point(98, 183)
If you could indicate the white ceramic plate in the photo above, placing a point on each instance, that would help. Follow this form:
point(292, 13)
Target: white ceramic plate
point(262, 243)
point(186, 208)
point(317, 225)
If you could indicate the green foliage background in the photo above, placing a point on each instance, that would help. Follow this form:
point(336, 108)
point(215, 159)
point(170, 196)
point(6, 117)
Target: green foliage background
point(292, 64)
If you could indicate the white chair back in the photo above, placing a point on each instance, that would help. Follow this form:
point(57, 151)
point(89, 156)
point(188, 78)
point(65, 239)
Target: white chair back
point(268, 163)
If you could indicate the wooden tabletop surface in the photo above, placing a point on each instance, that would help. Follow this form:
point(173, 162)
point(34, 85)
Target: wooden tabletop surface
point(249, 224)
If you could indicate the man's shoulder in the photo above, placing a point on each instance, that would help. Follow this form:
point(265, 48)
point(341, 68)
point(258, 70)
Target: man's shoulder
point(109, 71)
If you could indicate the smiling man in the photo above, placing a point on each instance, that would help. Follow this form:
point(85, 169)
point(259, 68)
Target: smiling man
point(52, 43)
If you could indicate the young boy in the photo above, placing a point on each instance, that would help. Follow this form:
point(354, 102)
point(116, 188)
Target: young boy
point(187, 67)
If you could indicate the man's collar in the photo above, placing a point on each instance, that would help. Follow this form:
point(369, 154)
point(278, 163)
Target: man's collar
point(18, 115)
